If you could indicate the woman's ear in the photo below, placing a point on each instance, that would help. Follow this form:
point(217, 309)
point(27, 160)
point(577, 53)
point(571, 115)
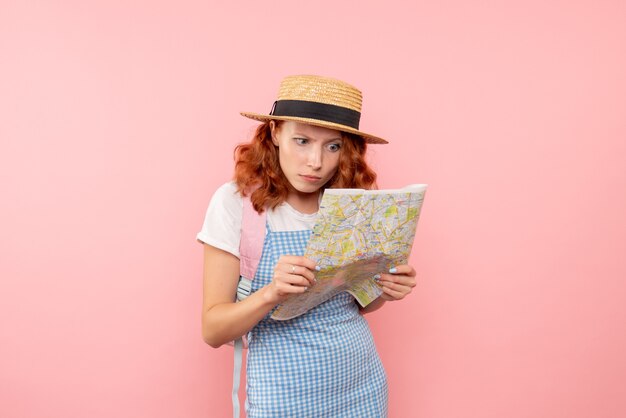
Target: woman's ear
point(273, 130)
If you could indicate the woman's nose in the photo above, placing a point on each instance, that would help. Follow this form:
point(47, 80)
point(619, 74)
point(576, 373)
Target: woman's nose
point(315, 158)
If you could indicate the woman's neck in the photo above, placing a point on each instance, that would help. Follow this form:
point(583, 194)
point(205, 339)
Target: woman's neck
point(304, 202)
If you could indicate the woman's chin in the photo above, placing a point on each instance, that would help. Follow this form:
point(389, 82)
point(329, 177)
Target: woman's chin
point(302, 187)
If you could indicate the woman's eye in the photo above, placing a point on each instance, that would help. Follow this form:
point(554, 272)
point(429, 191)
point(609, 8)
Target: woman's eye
point(300, 141)
point(334, 147)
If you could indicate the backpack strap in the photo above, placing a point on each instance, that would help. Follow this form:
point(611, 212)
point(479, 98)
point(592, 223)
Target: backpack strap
point(250, 251)
point(252, 237)
point(237, 376)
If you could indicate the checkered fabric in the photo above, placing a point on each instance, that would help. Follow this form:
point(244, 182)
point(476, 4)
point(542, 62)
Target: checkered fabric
point(320, 364)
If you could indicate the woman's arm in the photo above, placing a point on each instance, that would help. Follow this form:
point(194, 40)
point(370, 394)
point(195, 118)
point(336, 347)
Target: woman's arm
point(223, 320)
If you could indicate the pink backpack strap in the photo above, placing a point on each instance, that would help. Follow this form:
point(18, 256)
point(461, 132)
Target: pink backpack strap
point(252, 237)
point(250, 251)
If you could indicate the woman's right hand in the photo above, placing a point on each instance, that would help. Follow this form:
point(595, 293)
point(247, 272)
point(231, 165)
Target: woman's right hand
point(292, 275)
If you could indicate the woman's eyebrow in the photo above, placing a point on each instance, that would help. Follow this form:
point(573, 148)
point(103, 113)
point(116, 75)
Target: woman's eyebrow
point(339, 138)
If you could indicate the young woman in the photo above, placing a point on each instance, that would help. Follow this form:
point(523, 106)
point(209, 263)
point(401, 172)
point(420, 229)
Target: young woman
point(323, 363)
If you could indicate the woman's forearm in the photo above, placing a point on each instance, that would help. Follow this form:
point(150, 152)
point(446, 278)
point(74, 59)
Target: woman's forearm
point(226, 322)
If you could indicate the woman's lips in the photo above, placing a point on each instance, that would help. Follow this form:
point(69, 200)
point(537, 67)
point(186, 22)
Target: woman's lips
point(310, 179)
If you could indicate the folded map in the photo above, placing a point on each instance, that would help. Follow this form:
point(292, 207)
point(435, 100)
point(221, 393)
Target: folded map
point(358, 234)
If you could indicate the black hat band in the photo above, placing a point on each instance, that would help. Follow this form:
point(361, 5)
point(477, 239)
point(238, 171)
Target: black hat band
point(319, 111)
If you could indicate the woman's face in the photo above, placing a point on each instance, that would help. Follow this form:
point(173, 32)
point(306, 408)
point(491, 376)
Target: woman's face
point(308, 155)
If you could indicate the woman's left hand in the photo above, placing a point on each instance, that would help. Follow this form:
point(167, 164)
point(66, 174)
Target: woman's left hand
point(398, 283)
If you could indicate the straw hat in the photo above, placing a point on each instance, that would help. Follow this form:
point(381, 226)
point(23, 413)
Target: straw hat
point(319, 101)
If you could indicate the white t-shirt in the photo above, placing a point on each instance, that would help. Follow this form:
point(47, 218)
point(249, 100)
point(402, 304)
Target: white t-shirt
point(222, 223)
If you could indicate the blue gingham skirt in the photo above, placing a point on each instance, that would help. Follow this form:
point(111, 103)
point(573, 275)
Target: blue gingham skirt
point(320, 364)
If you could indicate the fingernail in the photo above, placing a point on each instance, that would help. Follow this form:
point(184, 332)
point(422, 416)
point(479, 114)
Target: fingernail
point(318, 268)
point(376, 277)
point(393, 270)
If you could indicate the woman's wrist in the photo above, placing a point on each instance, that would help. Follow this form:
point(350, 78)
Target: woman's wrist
point(268, 296)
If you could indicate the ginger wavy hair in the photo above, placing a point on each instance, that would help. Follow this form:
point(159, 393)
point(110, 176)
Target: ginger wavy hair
point(257, 169)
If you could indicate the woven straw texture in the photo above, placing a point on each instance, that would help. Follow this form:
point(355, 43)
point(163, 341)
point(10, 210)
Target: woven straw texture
point(320, 89)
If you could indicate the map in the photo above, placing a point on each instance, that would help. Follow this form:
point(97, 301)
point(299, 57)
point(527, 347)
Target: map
point(358, 234)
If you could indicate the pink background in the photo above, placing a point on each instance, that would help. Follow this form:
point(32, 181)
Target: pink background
point(118, 120)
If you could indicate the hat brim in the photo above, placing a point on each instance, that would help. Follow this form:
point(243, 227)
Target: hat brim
point(370, 139)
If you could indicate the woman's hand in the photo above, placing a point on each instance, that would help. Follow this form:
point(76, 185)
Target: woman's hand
point(398, 283)
point(292, 275)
